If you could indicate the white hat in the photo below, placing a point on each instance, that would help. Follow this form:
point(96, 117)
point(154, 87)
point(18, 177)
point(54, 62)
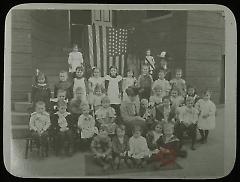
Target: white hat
point(163, 54)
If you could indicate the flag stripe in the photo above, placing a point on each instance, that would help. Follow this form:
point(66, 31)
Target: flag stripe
point(97, 46)
point(104, 43)
point(90, 40)
point(117, 62)
point(94, 46)
point(122, 64)
point(101, 49)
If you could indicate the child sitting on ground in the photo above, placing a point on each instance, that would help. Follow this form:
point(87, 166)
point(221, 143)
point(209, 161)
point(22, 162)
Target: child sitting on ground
point(101, 147)
point(188, 118)
point(179, 83)
point(138, 148)
point(41, 91)
point(39, 125)
point(86, 124)
point(62, 128)
point(106, 115)
point(120, 146)
point(166, 87)
point(63, 84)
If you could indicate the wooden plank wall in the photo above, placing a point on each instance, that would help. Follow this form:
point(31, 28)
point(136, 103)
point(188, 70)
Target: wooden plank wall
point(205, 47)
point(40, 39)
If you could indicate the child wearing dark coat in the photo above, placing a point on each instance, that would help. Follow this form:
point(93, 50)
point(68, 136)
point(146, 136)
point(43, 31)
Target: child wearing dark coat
point(144, 83)
point(63, 128)
point(120, 146)
point(41, 91)
point(64, 84)
point(61, 96)
point(101, 147)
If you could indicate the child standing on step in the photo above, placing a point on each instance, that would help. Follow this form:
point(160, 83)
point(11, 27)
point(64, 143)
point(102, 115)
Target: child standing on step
point(61, 96)
point(191, 92)
point(149, 60)
point(128, 81)
point(80, 81)
point(86, 124)
point(75, 60)
point(145, 83)
point(113, 85)
point(179, 83)
point(64, 84)
point(95, 80)
point(207, 111)
point(41, 91)
point(101, 147)
point(95, 99)
point(39, 125)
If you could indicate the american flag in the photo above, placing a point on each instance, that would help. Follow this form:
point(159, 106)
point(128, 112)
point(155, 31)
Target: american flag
point(107, 46)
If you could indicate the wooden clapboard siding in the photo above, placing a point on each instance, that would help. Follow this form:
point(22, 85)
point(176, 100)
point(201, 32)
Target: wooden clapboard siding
point(204, 50)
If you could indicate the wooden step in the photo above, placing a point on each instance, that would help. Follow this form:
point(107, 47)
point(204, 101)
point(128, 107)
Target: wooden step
point(19, 118)
point(20, 131)
point(22, 106)
point(20, 95)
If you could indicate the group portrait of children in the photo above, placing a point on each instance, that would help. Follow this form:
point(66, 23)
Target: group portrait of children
point(116, 118)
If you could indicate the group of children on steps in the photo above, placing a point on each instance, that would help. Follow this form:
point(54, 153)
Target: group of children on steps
point(93, 110)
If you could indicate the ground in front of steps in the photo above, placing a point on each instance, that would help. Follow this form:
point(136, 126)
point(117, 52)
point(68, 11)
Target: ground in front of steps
point(206, 161)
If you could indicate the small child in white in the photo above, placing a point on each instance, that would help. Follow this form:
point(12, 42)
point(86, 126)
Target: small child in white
point(80, 81)
point(86, 124)
point(95, 99)
point(106, 115)
point(75, 59)
point(206, 119)
point(138, 148)
point(39, 125)
point(128, 81)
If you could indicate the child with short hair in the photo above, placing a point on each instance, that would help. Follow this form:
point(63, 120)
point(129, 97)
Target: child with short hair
point(75, 59)
point(206, 119)
point(106, 115)
point(120, 147)
point(39, 125)
point(101, 147)
point(41, 91)
point(148, 112)
point(80, 81)
point(188, 117)
point(157, 96)
point(191, 92)
point(61, 96)
point(95, 99)
point(64, 84)
point(138, 148)
point(178, 82)
point(95, 80)
point(166, 87)
point(149, 60)
point(113, 85)
point(86, 124)
point(176, 99)
point(165, 113)
point(128, 81)
point(62, 127)
point(144, 83)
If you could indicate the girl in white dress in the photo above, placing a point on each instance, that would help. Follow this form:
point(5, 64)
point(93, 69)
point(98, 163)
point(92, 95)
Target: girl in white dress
point(113, 86)
point(95, 79)
point(130, 80)
point(206, 119)
point(80, 81)
point(75, 59)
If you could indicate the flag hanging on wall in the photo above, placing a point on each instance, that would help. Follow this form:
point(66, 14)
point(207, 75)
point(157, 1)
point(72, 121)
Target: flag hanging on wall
point(107, 46)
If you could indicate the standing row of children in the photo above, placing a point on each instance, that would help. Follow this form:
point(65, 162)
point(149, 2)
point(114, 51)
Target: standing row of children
point(91, 108)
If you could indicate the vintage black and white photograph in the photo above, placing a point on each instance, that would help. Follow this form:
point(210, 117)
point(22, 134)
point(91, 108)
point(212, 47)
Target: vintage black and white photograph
point(119, 91)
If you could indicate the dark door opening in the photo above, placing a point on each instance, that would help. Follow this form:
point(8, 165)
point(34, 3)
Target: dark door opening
point(222, 94)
